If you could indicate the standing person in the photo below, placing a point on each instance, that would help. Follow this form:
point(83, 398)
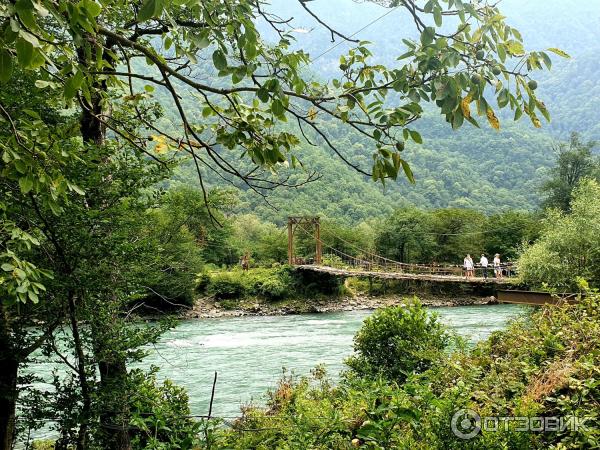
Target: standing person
point(472, 264)
point(497, 266)
point(245, 262)
point(484, 265)
point(468, 265)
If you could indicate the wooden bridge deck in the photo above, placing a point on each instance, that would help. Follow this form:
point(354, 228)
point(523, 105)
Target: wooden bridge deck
point(404, 275)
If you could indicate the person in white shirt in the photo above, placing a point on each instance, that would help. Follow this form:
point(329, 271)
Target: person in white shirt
point(468, 265)
point(497, 267)
point(484, 265)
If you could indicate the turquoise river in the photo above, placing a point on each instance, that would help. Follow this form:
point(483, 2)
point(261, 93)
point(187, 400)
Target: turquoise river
point(249, 353)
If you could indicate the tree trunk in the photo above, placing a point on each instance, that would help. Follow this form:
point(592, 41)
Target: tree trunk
point(9, 370)
point(113, 376)
point(85, 391)
point(113, 373)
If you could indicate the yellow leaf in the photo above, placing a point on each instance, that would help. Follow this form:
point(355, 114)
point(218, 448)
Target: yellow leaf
point(492, 119)
point(161, 148)
point(536, 122)
point(464, 105)
point(515, 48)
point(312, 113)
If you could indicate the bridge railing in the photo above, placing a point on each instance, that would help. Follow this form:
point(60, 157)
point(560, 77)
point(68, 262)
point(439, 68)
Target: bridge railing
point(371, 262)
point(341, 260)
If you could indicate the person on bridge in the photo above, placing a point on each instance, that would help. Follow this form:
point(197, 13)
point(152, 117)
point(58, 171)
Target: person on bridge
point(497, 266)
point(484, 265)
point(468, 265)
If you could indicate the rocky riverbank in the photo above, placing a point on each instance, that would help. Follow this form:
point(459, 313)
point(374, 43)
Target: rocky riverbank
point(207, 307)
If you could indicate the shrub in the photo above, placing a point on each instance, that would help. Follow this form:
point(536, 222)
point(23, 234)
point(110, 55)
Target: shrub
point(273, 288)
point(225, 286)
point(229, 304)
point(202, 282)
point(44, 444)
point(160, 414)
point(397, 341)
point(277, 286)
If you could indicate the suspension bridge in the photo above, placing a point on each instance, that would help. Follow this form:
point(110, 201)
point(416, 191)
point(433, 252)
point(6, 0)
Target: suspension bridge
point(364, 263)
point(332, 261)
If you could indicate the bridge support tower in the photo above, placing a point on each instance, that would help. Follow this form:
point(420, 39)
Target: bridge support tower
point(310, 222)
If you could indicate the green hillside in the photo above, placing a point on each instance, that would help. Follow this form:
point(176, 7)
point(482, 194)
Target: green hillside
point(476, 168)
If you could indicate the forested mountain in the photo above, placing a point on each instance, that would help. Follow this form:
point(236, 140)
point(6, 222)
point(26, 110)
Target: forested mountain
point(476, 168)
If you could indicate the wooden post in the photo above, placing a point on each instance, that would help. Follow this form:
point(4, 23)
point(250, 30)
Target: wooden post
point(314, 222)
point(290, 242)
point(319, 249)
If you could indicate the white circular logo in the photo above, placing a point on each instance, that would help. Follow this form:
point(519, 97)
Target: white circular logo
point(466, 424)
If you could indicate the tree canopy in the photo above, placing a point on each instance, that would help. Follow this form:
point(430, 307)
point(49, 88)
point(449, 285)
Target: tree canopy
point(92, 54)
point(569, 244)
point(575, 161)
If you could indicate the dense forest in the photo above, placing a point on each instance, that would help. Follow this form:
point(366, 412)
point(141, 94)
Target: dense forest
point(148, 145)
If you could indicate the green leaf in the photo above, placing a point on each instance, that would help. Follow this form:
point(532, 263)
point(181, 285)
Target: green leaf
point(8, 267)
point(428, 35)
point(277, 107)
point(238, 74)
point(437, 16)
point(92, 8)
point(201, 40)
point(6, 66)
point(149, 9)
point(559, 52)
point(546, 60)
point(219, 60)
point(24, 52)
point(76, 189)
point(21, 166)
point(33, 296)
point(407, 171)
point(26, 184)
point(457, 120)
point(416, 136)
point(501, 52)
point(42, 84)
point(72, 85)
point(251, 50)
point(263, 95)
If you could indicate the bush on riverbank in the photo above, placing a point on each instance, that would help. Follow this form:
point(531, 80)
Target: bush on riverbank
point(545, 364)
point(226, 286)
point(272, 284)
point(397, 341)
